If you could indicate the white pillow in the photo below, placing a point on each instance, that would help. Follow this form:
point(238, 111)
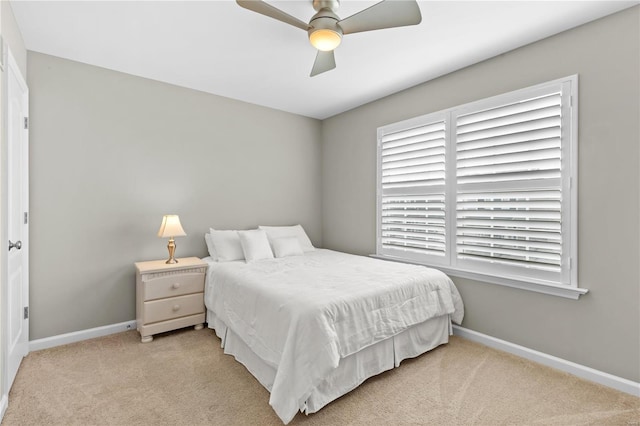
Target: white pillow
point(255, 245)
point(287, 246)
point(226, 245)
point(210, 246)
point(274, 232)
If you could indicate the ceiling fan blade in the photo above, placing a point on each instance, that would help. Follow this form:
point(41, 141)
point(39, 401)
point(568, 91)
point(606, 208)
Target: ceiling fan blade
point(266, 9)
point(325, 61)
point(386, 14)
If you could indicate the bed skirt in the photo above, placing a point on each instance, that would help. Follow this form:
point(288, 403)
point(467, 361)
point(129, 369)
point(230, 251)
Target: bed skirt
point(353, 369)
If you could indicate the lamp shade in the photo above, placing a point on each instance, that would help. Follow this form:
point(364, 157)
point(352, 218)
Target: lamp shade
point(171, 227)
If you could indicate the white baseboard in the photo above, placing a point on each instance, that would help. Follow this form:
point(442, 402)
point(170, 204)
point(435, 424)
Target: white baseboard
point(77, 336)
point(4, 403)
point(581, 371)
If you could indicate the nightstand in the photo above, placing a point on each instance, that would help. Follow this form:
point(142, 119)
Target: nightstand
point(169, 296)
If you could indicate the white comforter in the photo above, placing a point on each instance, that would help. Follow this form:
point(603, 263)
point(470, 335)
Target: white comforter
point(302, 314)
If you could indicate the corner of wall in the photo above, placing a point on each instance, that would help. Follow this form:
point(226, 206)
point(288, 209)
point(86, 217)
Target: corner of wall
point(13, 36)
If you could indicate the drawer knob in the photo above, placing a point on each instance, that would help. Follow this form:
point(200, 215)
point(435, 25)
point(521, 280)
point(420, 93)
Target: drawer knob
point(175, 285)
point(176, 308)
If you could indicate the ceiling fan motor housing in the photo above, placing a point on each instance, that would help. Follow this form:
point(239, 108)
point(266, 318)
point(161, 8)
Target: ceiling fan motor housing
point(324, 32)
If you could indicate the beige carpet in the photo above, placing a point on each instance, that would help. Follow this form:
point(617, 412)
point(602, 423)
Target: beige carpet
point(183, 378)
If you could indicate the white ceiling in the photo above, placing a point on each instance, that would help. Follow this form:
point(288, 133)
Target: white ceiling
point(221, 48)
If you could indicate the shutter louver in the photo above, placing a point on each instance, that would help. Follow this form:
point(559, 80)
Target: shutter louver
point(414, 223)
point(508, 168)
point(413, 162)
point(514, 142)
point(519, 227)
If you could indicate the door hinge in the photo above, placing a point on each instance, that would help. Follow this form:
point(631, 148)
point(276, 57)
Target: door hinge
point(26, 122)
point(26, 312)
point(26, 217)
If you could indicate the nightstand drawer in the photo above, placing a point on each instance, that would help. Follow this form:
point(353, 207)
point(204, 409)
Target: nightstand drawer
point(175, 307)
point(173, 285)
point(169, 296)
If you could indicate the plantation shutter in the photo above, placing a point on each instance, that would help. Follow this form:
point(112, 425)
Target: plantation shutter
point(412, 191)
point(486, 190)
point(509, 186)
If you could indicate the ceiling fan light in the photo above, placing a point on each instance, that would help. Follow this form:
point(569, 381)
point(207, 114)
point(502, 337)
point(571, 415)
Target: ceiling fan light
point(325, 39)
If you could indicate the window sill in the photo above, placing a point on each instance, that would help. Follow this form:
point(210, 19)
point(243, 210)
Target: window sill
point(551, 289)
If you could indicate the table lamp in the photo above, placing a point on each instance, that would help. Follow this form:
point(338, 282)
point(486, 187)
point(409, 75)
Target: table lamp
point(170, 228)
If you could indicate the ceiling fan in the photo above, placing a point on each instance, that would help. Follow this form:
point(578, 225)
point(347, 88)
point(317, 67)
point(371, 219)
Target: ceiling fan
point(326, 29)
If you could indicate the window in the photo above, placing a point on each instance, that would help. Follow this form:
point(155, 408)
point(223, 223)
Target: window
point(486, 190)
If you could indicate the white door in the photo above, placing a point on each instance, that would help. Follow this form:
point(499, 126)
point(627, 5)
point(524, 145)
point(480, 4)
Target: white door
point(15, 318)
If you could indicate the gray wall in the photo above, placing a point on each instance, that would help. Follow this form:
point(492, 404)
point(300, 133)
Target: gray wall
point(111, 153)
point(602, 329)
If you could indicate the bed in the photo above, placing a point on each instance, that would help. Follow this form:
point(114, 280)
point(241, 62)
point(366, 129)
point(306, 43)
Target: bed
point(313, 327)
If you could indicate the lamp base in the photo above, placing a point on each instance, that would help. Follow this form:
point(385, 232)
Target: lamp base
point(172, 249)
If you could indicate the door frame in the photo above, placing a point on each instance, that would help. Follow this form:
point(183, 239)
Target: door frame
point(10, 65)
